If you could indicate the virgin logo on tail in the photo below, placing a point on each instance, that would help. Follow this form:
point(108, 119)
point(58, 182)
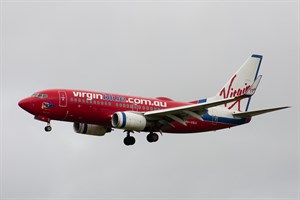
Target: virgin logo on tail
point(232, 92)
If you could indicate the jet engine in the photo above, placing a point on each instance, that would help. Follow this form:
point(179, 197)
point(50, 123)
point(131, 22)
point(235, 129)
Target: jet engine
point(90, 129)
point(129, 121)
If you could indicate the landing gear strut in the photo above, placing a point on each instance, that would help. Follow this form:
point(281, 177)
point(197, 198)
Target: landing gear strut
point(152, 137)
point(48, 128)
point(129, 140)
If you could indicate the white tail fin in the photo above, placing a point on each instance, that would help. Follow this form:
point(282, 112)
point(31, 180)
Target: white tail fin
point(240, 82)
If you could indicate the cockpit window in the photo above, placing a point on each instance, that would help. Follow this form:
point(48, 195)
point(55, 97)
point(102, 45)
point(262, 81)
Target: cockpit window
point(41, 96)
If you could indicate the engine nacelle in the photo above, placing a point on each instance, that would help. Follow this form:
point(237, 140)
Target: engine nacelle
point(90, 129)
point(129, 121)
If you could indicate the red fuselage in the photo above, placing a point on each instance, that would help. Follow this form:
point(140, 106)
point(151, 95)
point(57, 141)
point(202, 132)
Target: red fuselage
point(97, 108)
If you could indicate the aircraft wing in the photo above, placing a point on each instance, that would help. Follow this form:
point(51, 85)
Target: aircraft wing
point(193, 107)
point(194, 110)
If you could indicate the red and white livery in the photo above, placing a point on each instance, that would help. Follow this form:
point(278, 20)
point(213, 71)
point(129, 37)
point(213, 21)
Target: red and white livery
point(97, 113)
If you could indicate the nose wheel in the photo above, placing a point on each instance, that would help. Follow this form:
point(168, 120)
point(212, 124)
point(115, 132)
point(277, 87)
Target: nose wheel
point(48, 128)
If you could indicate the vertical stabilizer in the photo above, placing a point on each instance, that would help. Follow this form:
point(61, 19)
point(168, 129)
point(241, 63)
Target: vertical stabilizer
point(239, 83)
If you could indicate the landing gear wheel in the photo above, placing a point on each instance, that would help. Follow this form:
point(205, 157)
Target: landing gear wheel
point(129, 140)
point(48, 128)
point(152, 137)
point(126, 141)
point(132, 140)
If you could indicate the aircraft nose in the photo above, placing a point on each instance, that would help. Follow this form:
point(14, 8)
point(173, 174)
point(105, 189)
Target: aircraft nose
point(25, 104)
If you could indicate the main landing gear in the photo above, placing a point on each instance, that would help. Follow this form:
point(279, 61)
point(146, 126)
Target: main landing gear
point(130, 140)
point(48, 128)
point(152, 137)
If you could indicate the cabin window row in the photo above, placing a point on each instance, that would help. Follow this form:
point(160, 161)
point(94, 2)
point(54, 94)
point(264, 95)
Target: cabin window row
point(124, 105)
point(106, 103)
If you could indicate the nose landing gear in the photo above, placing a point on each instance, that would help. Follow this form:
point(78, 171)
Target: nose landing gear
point(48, 128)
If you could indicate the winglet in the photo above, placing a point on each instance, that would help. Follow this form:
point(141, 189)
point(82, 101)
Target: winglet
point(251, 90)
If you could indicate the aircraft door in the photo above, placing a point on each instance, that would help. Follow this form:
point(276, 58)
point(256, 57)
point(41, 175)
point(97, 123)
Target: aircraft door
point(62, 98)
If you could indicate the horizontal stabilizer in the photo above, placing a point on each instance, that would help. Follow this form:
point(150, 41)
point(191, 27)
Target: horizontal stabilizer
point(258, 112)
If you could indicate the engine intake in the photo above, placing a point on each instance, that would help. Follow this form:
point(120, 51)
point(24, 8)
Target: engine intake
point(90, 129)
point(129, 121)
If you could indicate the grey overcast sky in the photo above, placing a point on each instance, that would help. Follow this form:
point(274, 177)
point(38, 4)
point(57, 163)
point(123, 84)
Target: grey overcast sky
point(184, 50)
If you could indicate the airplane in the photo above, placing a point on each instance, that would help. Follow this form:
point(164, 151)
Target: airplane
point(98, 113)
